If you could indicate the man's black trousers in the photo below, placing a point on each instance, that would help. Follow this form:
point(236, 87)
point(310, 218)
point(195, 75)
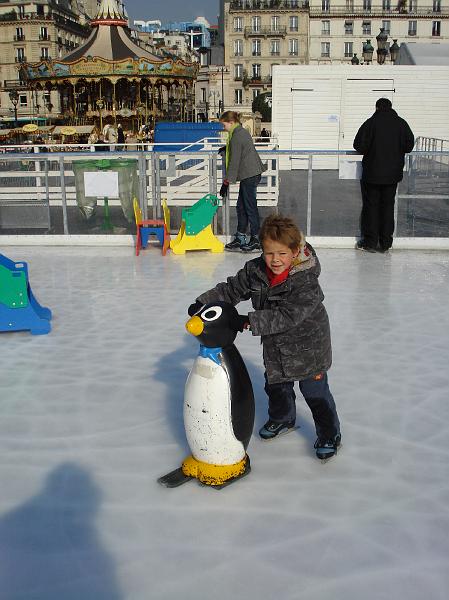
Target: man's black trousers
point(377, 221)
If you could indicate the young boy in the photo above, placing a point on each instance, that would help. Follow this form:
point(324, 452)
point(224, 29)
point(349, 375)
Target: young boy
point(290, 317)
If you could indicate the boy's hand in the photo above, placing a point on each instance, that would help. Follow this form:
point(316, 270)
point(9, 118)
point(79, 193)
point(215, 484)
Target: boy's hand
point(194, 308)
point(242, 322)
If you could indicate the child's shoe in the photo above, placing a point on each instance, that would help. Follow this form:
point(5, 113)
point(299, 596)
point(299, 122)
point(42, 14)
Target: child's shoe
point(327, 448)
point(271, 429)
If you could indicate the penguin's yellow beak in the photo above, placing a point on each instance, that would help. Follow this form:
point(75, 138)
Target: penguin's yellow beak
point(195, 326)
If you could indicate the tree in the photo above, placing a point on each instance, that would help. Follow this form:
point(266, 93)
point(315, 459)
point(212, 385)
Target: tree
point(262, 103)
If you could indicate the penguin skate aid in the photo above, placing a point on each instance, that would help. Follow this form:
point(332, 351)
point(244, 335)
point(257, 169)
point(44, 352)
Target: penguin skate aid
point(218, 402)
point(290, 317)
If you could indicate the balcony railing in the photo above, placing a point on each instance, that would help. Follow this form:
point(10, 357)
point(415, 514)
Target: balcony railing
point(44, 37)
point(267, 5)
point(21, 59)
point(344, 11)
point(265, 32)
point(19, 38)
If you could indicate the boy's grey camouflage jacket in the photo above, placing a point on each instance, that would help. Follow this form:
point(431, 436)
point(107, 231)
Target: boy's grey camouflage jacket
point(290, 317)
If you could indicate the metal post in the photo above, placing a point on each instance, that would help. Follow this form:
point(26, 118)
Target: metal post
point(309, 195)
point(213, 183)
point(143, 184)
point(63, 195)
point(47, 193)
point(157, 182)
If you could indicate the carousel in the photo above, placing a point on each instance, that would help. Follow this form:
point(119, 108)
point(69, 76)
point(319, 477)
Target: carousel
point(110, 78)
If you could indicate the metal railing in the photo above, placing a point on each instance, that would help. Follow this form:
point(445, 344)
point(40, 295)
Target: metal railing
point(44, 190)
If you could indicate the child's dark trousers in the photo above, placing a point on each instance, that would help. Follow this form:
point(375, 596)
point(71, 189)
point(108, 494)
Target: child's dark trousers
point(316, 392)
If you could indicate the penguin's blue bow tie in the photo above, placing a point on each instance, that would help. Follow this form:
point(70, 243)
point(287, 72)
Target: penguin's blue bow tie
point(212, 353)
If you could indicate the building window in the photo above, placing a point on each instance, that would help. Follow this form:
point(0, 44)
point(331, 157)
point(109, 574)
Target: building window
point(238, 47)
point(325, 5)
point(367, 5)
point(275, 47)
point(366, 27)
point(436, 28)
point(350, 5)
point(45, 53)
point(256, 45)
point(43, 33)
point(437, 6)
point(325, 49)
point(20, 54)
point(23, 100)
point(274, 23)
point(387, 26)
point(293, 23)
point(349, 27)
point(256, 92)
point(238, 72)
point(325, 27)
point(238, 96)
point(293, 47)
point(255, 24)
point(412, 5)
point(238, 23)
point(386, 4)
point(203, 95)
point(19, 37)
point(412, 27)
point(40, 10)
point(21, 10)
point(349, 49)
point(256, 70)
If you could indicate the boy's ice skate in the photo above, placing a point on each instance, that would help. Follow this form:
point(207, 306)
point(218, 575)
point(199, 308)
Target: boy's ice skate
point(271, 429)
point(327, 448)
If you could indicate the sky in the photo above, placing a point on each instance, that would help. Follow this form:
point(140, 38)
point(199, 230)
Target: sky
point(173, 10)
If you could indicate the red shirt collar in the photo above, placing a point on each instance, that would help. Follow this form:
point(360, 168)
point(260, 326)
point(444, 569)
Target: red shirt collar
point(276, 279)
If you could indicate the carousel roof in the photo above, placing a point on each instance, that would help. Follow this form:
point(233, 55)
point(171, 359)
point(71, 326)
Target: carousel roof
point(109, 50)
point(110, 38)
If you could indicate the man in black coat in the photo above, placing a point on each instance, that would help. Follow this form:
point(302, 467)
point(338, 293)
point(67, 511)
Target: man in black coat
point(383, 140)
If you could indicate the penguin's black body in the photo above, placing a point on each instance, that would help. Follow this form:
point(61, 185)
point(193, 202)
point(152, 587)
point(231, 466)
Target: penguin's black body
point(218, 400)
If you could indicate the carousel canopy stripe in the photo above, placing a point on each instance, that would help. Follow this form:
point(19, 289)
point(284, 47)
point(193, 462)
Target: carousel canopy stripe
point(112, 43)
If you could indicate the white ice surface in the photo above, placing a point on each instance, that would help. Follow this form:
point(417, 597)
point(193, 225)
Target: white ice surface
point(91, 415)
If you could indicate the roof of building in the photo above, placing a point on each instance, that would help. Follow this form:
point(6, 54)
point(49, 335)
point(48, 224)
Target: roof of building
point(110, 38)
point(423, 54)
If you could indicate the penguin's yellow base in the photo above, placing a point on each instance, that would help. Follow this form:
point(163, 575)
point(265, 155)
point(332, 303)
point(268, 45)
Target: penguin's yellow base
point(213, 474)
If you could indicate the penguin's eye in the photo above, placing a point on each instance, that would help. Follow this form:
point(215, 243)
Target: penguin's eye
point(212, 313)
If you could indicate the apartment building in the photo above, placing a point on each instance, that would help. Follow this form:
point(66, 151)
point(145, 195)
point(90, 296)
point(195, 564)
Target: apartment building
point(259, 34)
point(33, 31)
point(339, 28)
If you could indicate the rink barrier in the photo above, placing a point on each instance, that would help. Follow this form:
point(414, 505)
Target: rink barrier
point(32, 183)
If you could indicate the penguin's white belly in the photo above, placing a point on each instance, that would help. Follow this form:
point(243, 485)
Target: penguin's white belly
point(207, 415)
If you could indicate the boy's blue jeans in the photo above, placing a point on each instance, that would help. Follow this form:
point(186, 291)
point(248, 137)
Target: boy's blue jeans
point(247, 211)
point(316, 392)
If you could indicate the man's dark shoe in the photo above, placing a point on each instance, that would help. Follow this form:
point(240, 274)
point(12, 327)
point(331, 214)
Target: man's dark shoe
point(252, 246)
point(361, 246)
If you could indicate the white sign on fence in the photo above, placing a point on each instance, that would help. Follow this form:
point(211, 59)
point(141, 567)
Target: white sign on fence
point(350, 169)
point(101, 184)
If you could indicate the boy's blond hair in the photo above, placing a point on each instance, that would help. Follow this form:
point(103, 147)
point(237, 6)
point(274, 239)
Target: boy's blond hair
point(283, 230)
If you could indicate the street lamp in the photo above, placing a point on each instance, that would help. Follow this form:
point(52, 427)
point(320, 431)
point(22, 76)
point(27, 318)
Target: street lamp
point(394, 51)
point(14, 97)
point(382, 46)
point(367, 51)
point(221, 102)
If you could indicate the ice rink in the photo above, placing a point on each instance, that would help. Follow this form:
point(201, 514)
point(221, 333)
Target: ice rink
point(91, 416)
